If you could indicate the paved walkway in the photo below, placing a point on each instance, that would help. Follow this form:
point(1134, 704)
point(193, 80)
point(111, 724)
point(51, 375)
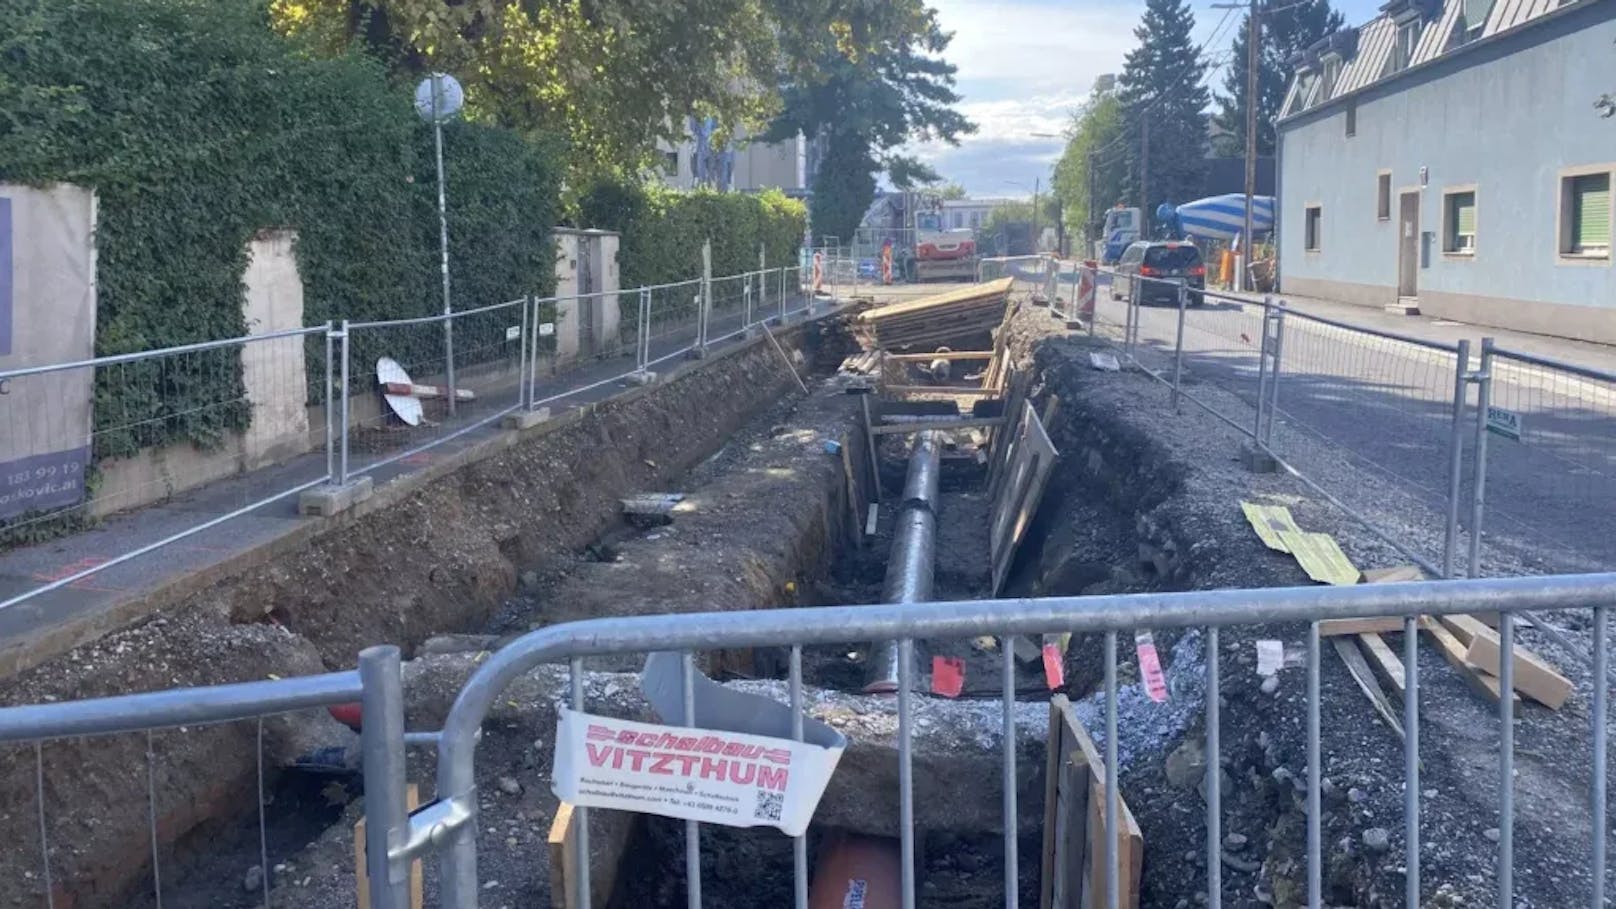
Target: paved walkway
point(112, 596)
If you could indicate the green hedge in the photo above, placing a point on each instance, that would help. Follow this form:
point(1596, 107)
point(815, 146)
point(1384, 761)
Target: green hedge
point(198, 126)
point(662, 230)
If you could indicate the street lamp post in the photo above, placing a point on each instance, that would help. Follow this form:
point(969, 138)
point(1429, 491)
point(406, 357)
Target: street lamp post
point(437, 99)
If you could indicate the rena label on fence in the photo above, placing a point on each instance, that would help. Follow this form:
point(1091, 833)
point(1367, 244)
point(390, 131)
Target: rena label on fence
point(725, 778)
point(1506, 423)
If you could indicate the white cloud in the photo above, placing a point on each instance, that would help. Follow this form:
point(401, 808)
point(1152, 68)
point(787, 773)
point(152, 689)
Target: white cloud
point(1024, 67)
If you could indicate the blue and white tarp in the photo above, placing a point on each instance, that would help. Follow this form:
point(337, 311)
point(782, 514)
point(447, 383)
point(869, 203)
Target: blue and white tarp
point(1224, 217)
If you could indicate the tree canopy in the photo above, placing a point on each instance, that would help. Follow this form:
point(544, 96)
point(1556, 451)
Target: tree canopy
point(867, 78)
point(1286, 30)
point(1094, 140)
point(1161, 86)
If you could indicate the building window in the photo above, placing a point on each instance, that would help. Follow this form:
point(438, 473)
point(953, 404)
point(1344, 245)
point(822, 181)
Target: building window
point(1332, 74)
point(1459, 222)
point(1383, 196)
point(1352, 119)
point(1313, 231)
point(1585, 215)
point(1408, 38)
point(670, 163)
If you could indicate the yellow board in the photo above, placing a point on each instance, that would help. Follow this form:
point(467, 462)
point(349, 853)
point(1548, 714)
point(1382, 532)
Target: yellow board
point(1320, 557)
point(1270, 521)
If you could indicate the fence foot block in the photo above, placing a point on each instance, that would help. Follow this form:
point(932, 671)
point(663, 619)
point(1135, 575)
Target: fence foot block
point(525, 419)
point(643, 378)
point(325, 501)
point(1256, 460)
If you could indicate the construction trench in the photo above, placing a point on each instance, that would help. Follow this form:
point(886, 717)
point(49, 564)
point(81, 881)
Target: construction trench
point(774, 489)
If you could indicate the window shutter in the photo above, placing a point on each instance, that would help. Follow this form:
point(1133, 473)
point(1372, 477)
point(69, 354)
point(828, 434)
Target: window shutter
point(1466, 214)
point(1591, 198)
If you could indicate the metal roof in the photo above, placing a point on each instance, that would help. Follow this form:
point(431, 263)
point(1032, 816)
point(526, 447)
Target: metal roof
point(1440, 34)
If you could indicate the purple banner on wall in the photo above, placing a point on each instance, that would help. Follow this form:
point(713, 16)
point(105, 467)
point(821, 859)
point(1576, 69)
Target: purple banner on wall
point(5, 277)
point(42, 482)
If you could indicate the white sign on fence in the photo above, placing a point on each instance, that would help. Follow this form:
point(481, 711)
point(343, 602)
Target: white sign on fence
point(1506, 423)
point(47, 315)
point(513, 332)
point(546, 329)
point(728, 778)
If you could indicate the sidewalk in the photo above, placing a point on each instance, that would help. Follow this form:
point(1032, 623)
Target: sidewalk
point(59, 619)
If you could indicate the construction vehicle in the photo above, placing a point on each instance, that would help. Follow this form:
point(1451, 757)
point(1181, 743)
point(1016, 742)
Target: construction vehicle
point(1122, 227)
point(924, 249)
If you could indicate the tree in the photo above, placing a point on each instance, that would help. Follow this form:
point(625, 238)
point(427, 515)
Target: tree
point(1161, 85)
point(611, 77)
point(867, 78)
point(1095, 138)
point(1286, 31)
point(953, 191)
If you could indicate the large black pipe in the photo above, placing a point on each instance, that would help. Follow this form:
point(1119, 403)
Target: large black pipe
point(910, 566)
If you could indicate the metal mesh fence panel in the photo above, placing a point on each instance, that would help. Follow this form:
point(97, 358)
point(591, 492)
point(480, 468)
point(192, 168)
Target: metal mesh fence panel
point(1551, 465)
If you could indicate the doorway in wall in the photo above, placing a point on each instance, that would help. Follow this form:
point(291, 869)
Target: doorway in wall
point(1408, 244)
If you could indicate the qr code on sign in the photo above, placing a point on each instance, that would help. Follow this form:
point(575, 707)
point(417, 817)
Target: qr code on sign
point(769, 805)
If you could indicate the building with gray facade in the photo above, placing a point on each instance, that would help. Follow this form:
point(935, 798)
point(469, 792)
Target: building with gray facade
point(1458, 155)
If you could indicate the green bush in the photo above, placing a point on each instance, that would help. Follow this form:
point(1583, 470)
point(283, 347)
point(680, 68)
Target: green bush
point(662, 230)
point(198, 126)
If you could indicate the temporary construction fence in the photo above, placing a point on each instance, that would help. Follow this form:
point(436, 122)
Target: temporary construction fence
point(1035, 276)
point(447, 826)
point(1419, 440)
point(329, 404)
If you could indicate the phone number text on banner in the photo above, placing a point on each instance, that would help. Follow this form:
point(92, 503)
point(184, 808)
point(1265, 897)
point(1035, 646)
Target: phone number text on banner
point(703, 775)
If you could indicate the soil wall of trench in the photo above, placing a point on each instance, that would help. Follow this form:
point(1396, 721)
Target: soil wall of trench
point(442, 558)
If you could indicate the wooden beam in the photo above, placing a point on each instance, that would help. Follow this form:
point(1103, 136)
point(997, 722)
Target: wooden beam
point(1373, 625)
point(942, 355)
point(1484, 683)
point(1388, 666)
point(1462, 627)
point(889, 429)
point(1393, 575)
point(1533, 677)
point(941, 389)
point(412, 801)
point(1365, 677)
point(563, 867)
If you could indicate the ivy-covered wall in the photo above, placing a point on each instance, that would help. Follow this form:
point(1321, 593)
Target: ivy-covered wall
point(198, 126)
point(662, 229)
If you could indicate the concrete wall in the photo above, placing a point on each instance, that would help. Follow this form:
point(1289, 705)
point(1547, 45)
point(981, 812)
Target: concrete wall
point(1506, 119)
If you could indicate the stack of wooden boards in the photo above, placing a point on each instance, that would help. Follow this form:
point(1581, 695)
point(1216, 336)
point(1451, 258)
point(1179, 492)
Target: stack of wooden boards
point(1470, 643)
point(954, 316)
point(1471, 646)
point(1075, 832)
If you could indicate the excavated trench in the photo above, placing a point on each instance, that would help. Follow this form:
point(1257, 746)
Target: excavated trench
point(533, 535)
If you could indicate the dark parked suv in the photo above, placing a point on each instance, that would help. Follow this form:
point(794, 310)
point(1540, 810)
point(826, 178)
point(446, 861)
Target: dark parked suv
point(1170, 262)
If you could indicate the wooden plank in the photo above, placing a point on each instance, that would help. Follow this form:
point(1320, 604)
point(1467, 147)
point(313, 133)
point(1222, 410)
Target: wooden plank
point(1373, 625)
point(918, 426)
point(855, 501)
point(943, 355)
point(1462, 627)
point(1365, 677)
point(1484, 683)
point(1130, 843)
point(563, 867)
point(1393, 575)
point(1534, 677)
point(412, 801)
point(1385, 662)
point(940, 389)
point(976, 293)
point(1052, 763)
point(1012, 512)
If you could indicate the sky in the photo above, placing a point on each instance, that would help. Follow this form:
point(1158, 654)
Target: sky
point(1025, 66)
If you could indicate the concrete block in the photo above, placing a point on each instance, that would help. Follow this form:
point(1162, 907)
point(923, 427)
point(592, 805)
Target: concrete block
point(525, 419)
point(325, 501)
point(643, 378)
point(1256, 460)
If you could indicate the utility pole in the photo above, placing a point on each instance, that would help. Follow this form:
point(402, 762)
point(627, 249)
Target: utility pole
point(1094, 222)
point(1144, 178)
point(1253, 43)
point(1035, 184)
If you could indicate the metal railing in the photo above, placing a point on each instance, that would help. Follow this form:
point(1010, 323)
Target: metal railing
point(448, 825)
point(518, 355)
point(1386, 426)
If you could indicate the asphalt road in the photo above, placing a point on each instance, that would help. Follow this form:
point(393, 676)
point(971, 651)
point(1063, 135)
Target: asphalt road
point(1384, 407)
